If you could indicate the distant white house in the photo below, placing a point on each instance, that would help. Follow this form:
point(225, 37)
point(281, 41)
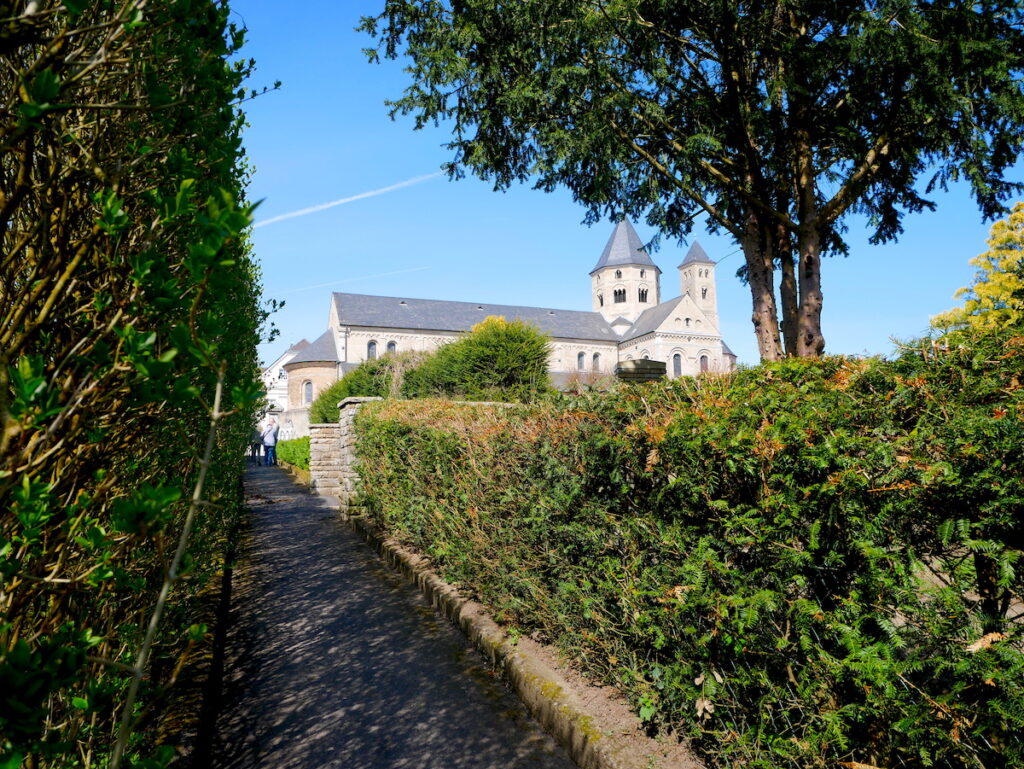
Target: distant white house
point(628, 322)
point(275, 378)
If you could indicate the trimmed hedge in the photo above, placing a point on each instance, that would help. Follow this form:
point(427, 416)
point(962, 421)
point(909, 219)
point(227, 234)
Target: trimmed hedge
point(129, 302)
point(810, 562)
point(295, 452)
point(498, 360)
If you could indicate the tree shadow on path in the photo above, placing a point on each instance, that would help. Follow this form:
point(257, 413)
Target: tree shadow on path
point(334, 661)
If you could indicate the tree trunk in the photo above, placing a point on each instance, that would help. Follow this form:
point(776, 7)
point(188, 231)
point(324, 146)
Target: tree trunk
point(810, 341)
point(761, 279)
point(787, 290)
point(987, 580)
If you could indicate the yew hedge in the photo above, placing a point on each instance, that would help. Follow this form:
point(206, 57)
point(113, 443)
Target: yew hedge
point(127, 294)
point(811, 563)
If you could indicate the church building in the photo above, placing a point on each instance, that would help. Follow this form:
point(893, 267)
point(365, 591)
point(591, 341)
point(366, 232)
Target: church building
point(628, 322)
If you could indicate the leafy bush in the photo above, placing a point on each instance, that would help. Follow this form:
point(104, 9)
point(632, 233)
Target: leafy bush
point(497, 360)
point(295, 452)
point(808, 564)
point(378, 378)
point(129, 306)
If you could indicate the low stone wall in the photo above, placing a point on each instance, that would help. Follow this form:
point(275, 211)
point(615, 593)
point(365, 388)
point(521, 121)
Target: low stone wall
point(332, 454)
point(325, 458)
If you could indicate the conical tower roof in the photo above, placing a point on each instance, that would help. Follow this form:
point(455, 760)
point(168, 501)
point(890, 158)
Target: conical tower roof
point(696, 254)
point(624, 247)
point(321, 350)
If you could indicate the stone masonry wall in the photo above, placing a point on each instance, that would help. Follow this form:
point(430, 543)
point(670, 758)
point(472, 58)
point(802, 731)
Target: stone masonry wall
point(325, 458)
point(348, 475)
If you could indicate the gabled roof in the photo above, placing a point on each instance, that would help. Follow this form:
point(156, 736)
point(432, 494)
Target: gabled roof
point(320, 350)
point(726, 350)
point(696, 254)
point(437, 315)
point(286, 356)
point(624, 247)
point(651, 319)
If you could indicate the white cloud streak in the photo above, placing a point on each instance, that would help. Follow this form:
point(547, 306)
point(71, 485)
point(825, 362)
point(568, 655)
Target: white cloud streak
point(352, 280)
point(343, 201)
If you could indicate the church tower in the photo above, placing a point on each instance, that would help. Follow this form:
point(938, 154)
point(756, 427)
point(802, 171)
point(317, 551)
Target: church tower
point(625, 281)
point(697, 278)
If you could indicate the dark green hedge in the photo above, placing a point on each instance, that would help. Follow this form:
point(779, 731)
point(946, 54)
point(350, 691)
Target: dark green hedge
point(127, 292)
point(806, 563)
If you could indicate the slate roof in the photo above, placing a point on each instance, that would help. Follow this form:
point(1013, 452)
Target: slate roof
point(320, 350)
point(438, 315)
point(624, 247)
point(697, 254)
point(651, 318)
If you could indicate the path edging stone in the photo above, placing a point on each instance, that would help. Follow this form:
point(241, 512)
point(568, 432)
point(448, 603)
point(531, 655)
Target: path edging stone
point(542, 689)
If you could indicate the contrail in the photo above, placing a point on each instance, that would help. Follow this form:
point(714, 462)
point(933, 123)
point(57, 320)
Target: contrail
point(343, 201)
point(350, 280)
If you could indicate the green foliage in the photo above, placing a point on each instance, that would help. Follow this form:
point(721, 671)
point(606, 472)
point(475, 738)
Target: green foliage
point(996, 298)
point(774, 122)
point(798, 565)
point(497, 360)
point(371, 379)
point(295, 452)
point(126, 292)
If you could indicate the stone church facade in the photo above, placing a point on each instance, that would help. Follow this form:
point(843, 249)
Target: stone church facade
point(628, 322)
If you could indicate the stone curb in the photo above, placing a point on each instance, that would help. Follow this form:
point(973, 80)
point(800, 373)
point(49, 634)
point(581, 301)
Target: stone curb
point(542, 689)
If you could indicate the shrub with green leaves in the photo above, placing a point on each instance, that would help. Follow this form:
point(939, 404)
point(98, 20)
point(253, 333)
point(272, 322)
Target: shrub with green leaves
point(378, 378)
point(497, 360)
point(295, 452)
point(814, 563)
point(126, 294)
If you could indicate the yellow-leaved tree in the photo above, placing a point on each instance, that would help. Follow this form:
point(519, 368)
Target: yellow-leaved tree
point(996, 298)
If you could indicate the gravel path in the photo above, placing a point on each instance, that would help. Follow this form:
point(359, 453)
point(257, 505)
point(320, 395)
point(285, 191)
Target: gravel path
point(334, 661)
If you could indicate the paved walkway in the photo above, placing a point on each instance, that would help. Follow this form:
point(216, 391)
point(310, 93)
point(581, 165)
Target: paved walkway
point(334, 661)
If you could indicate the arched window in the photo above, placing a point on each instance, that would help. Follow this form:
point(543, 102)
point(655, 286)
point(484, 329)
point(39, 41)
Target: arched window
point(307, 392)
point(643, 295)
point(392, 346)
point(620, 295)
point(618, 274)
point(703, 293)
point(703, 362)
point(645, 356)
point(597, 361)
point(677, 365)
point(371, 350)
point(581, 361)
point(643, 273)
point(688, 322)
point(600, 300)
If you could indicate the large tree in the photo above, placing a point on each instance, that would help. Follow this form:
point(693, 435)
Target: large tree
point(775, 119)
point(996, 298)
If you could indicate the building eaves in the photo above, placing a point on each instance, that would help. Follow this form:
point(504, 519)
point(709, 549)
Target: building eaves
point(438, 315)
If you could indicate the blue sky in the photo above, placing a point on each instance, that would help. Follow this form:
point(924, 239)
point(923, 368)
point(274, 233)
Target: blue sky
point(326, 136)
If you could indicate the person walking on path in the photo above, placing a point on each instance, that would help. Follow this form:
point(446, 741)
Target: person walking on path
point(270, 441)
point(255, 445)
